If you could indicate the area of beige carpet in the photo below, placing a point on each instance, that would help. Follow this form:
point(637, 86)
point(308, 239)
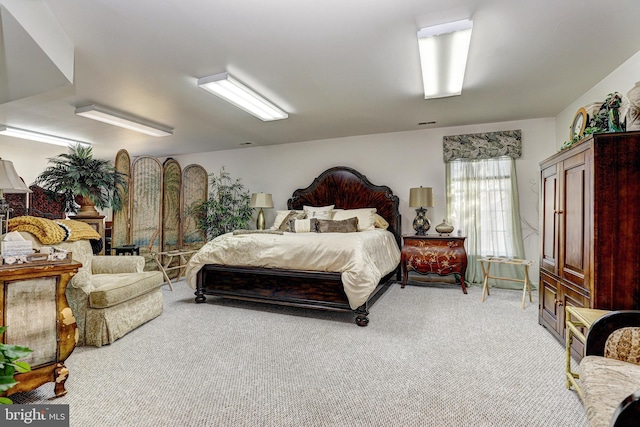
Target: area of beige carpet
point(431, 356)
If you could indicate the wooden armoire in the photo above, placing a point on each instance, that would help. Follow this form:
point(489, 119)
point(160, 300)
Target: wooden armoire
point(590, 229)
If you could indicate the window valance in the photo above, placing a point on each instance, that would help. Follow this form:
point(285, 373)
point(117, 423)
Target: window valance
point(483, 145)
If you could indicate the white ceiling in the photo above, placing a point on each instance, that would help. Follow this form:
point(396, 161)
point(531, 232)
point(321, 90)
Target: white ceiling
point(339, 67)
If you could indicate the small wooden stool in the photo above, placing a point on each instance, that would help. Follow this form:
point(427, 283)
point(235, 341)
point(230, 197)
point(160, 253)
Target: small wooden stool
point(183, 257)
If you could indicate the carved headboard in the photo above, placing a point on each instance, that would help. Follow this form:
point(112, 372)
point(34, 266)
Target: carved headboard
point(346, 188)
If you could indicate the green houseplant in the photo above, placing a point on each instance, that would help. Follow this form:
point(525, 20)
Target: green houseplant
point(79, 179)
point(227, 207)
point(9, 365)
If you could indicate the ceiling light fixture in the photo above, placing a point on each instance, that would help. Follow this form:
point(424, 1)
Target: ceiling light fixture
point(37, 136)
point(116, 118)
point(231, 90)
point(443, 57)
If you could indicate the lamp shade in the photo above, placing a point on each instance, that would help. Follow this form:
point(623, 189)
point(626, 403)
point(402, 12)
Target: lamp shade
point(10, 182)
point(421, 197)
point(261, 200)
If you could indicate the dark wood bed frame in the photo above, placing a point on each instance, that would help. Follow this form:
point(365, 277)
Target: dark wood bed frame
point(343, 187)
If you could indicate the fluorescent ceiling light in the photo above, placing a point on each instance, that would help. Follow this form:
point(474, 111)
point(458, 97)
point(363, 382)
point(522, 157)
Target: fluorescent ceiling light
point(231, 90)
point(116, 118)
point(443, 57)
point(37, 136)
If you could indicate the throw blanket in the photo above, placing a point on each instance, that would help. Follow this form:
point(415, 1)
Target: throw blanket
point(362, 258)
point(51, 232)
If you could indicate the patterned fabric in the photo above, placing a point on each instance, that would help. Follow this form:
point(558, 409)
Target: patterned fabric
point(239, 232)
point(50, 232)
point(284, 225)
point(605, 382)
point(483, 145)
point(349, 225)
point(104, 326)
point(78, 230)
point(47, 231)
point(624, 344)
point(302, 225)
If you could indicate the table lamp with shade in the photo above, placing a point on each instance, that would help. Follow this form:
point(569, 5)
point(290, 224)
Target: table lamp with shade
point(261, 200)
point(420, 198)
point(10, 182)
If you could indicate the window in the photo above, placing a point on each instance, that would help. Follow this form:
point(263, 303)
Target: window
point(482, 202)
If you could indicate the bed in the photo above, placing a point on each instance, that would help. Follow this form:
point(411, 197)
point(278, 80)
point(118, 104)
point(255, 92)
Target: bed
point(210, 273)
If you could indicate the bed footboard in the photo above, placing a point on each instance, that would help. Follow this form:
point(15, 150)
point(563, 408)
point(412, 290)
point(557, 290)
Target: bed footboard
point(308, 289)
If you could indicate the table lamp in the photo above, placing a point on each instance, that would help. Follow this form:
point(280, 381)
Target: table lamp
point(10, 182)
point(420, 198)
point(261, 200)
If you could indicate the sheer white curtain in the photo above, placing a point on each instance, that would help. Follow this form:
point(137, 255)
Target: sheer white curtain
point(482, 202)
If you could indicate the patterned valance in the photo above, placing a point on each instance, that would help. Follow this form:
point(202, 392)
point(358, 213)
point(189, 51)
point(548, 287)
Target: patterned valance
point(483, 145)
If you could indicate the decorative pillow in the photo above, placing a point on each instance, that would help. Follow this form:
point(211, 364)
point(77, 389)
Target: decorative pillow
point(292, 215)
point(624, 344)
point(279, 220)
point(323, 212)
point(366, 217)
point(349, 225)
point(77, 230)
point(302, 225)
point(380, 222)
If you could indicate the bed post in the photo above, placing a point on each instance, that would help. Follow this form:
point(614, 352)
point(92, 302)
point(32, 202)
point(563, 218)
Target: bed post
point(361, 315)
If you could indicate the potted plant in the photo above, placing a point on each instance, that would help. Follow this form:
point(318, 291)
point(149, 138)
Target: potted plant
point(227, 208)
point(10, 365)
point(83, 182)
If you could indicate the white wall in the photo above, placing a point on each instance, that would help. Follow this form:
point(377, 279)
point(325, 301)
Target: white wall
point(400, 160)
point(622, 79)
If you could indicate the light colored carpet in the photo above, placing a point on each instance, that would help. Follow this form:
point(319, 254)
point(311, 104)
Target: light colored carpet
point(431, 356)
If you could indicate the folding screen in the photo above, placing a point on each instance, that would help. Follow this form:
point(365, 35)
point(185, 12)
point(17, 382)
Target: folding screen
point(195, 187)
point(120, 226)
point(146, 206)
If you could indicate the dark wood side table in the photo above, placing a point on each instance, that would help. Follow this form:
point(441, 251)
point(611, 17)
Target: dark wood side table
point(434, 254)
point(35, 310)
point(127, 249)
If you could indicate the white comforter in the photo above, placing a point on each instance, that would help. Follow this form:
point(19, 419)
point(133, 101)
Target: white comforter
point(363, 258)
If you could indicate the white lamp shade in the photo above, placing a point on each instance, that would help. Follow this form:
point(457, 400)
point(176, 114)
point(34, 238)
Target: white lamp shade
point(10, 182)
point(261, 200)
point(421, 197)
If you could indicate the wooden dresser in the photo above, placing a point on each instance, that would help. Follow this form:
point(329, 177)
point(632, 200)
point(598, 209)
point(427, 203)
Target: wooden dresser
point(34, 308)
point(589, 228)
point(434, 254)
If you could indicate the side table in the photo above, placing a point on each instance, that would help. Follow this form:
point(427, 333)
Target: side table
point(431, 254)
point(577, 317)
point(37, 315)
point(127, 249)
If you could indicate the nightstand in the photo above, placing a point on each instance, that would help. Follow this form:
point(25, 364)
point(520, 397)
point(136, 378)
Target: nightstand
point(435, 254)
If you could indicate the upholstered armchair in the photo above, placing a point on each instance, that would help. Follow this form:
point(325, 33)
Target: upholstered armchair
point(109, 296)
point(610, 370)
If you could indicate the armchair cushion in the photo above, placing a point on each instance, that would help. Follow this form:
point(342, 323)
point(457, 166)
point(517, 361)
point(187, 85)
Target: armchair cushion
point(117, 264)
point(114, 289)
point(624, 344)
point(605, 383)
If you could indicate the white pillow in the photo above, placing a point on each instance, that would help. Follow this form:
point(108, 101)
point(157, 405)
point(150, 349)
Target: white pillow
point(323, 212)
point(302, 225)
point(280, 216)
point(366, 217)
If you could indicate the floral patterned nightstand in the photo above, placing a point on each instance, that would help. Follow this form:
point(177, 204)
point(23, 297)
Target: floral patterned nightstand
point(442, 255)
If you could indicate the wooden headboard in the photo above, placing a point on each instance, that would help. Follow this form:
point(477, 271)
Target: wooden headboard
point(346, 188)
